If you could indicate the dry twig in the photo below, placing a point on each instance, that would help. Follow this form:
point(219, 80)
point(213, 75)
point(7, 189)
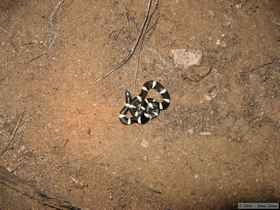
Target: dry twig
point(13, 135)
point(139, 40)
point(3, 29)
point(36, 57)
point(51, 27)
point(198, 78)
point(147, 31)
point(12, 182)
point(273, 61)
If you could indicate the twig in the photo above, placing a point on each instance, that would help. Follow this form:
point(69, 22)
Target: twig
point(137, 69)
point(3, 29)
point(20, 164)
point(274, 60)
point(148, 30)
point(138, 61)
point(276, 23)
point(199, 77)
point(12, 182)
point(36, 57)
point(13, 135)
point(153, 190)
point(152, 27)
point(52, 33)
point(134, 48)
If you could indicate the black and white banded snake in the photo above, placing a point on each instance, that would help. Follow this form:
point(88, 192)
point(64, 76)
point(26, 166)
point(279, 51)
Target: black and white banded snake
point(143, 109)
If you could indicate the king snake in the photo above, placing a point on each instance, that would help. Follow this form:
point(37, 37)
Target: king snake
point(143, 109)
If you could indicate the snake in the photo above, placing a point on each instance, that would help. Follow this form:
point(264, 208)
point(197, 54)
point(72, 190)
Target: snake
point(139, 109)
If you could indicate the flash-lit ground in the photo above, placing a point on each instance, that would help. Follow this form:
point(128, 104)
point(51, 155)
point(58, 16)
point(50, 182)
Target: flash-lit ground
point(217, 144)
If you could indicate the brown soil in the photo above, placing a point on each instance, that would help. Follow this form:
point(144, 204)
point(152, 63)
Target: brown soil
point(217, 144)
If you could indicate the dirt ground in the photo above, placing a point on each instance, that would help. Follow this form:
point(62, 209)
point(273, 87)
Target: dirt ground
point(217, 144)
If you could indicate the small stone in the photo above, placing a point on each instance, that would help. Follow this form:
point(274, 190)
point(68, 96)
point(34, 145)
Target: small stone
point(238, 6)
point(74, 180)
point(145, 143)
point(196, 176)
point(190, 131)
point(221, 43)
point(207, 97)
point(186, 58)
point(205, 133)
point(22, 149)
point(211, 13)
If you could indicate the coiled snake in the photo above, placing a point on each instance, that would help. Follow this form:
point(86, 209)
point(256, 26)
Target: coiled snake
point(143, 109)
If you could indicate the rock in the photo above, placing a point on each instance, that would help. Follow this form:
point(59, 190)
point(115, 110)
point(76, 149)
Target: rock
point(211, 13)
point(144, 143)
point(238, 6)
point(221, 43)
point(190, 131)
point(186, 58)
point(205, 133)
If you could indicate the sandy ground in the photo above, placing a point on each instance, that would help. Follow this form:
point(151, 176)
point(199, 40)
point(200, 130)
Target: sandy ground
point(216, 145)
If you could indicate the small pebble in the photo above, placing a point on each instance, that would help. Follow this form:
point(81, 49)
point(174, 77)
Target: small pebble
point(238, 6)
point(211, 13)
point(21, 149)
point(207, 97)
point(186, 58)
point(205, 133)
point(145, 143)
point(190, 131)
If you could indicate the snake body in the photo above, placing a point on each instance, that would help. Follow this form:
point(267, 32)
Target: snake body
point(143, 109)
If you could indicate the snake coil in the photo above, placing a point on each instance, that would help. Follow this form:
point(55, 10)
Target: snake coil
point(143, 109)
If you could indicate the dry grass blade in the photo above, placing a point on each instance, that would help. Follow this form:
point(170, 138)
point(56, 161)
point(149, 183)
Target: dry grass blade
point(51, 28)
point(3, 29)
point(273, 61)
point(36, 57)
point(13, 135)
